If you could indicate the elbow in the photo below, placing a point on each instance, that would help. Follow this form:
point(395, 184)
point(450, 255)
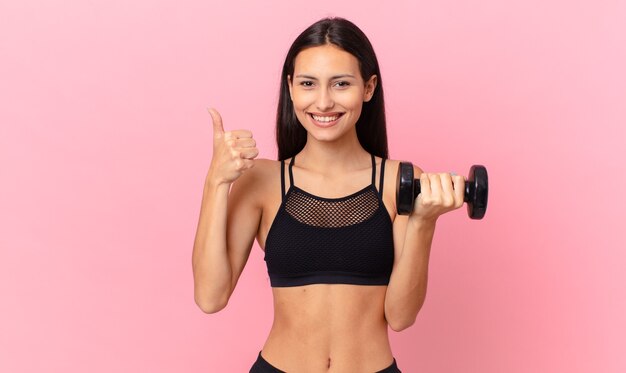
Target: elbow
point(401, 324)
point(211, 305)
point(401, 319)
point(210, 296)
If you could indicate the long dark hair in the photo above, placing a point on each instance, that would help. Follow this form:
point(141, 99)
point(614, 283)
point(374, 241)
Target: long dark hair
point(371, 126)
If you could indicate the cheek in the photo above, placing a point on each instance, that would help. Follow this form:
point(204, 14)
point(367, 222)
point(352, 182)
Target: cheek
point(299, 107)
point(352, 101)
point(300, 101)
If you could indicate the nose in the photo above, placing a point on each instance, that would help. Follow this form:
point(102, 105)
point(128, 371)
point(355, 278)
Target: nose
point(325, 100)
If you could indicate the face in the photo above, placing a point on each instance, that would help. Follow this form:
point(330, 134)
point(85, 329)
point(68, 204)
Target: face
point(328, 92)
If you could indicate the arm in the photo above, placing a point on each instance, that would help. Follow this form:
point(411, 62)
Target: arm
point(229, 218)
point(413, 236)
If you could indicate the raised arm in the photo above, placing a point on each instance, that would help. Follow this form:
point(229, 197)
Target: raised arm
point(413, 236)
point(229, 217)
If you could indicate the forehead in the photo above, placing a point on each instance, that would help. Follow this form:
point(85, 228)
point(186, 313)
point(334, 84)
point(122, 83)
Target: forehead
point(326, 60)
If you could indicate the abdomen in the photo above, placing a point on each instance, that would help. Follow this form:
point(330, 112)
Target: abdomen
point(322, 328)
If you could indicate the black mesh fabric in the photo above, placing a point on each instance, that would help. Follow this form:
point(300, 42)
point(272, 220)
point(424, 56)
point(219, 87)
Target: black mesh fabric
point(331, 213)
point(345, 240)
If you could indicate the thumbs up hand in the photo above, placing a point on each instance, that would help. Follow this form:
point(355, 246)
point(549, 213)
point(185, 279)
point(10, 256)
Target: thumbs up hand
point(233, 151)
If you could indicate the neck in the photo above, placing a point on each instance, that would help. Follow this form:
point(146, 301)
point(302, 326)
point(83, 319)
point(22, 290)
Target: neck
point(333, 156)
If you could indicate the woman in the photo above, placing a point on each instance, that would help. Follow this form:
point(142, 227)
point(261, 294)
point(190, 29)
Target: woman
point(342, 264)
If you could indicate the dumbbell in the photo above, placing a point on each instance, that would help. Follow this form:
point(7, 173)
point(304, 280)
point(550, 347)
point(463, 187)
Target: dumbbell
point(476, 190)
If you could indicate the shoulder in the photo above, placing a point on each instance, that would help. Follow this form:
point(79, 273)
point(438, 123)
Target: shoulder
point(263, 170)
point(263, 176)
point(392, 165)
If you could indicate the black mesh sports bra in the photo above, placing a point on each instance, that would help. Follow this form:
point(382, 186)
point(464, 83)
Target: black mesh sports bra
point(347, 240)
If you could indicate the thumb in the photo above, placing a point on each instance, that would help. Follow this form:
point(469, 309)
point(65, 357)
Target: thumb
point(218, 127)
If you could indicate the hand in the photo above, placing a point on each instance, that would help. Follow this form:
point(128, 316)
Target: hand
point(440, 193)
point(233, 152)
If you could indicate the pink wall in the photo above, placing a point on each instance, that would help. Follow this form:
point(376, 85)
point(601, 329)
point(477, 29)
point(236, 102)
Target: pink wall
point(105, 142)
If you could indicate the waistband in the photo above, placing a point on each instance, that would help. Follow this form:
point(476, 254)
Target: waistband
point(263, 366)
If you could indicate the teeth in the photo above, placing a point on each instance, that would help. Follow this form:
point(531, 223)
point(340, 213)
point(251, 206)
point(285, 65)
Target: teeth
point(325, 119)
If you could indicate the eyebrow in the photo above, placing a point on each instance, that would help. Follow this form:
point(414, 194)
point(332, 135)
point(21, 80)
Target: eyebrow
point(332, 78)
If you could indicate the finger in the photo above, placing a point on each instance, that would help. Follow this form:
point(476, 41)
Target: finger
point(243, 164)
point(241, 134)
point(249, 153)
point(447, 190)
point(248, 163)
point(245, 143)
point(435, 185)
point(218, 127)
point(459, 190)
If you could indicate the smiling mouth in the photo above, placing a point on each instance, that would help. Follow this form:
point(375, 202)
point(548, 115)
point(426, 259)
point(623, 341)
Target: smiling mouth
point(326, 118)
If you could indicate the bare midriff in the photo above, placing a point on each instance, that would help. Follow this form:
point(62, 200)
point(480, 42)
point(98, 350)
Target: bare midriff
point(329, 328)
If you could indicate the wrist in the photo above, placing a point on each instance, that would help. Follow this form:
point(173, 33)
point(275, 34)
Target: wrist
point(214, 183)
point(421, 223)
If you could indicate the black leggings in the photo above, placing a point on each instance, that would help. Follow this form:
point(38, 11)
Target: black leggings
point(262, 366)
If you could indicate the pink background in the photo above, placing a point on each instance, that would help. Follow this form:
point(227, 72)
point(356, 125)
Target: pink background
point(105, 142)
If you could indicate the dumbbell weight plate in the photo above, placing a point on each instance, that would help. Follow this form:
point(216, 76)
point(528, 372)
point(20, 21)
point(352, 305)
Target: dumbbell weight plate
point(405, 194)
point(477, 187)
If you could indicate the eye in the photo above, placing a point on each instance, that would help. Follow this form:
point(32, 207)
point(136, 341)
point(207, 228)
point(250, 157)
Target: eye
point(342, 84)
point(306, 83)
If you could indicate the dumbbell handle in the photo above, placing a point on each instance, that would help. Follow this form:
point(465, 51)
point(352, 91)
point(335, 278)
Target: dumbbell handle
point(469, 190)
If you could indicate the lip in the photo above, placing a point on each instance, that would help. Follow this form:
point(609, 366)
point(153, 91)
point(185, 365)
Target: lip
point(325, 124)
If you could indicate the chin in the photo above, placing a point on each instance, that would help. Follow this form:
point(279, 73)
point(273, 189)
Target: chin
point(326, 136)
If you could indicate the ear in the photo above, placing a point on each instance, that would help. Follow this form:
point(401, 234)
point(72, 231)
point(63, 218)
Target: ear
point(289, 83)
point(370, 88)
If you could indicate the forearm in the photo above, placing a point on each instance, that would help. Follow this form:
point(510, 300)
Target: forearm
point(212, 271)
point(407, 287)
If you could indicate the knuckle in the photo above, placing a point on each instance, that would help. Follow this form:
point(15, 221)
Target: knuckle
point(423, 200)
point(428, 201)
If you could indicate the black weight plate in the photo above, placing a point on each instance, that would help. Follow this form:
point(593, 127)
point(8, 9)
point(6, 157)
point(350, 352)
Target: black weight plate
point(479, 185)
point(405, 200)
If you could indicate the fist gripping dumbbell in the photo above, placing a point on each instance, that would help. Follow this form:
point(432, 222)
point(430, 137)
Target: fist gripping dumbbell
point(476, 190)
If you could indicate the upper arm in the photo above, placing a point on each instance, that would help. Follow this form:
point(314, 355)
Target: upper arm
point(243, 218)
